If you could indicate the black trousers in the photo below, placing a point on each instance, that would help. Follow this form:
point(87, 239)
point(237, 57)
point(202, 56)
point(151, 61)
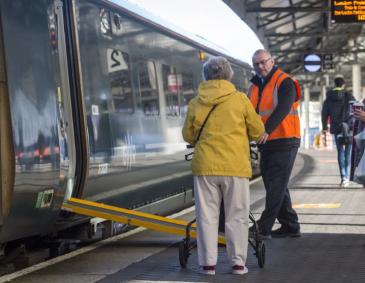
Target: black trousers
point(276, 167)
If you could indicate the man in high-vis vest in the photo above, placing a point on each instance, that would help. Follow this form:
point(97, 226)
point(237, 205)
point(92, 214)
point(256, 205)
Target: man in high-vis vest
point(275, 96)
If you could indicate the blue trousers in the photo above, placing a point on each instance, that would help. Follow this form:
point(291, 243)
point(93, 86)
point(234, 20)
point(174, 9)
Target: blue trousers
point(343, 158)
point(276, 167)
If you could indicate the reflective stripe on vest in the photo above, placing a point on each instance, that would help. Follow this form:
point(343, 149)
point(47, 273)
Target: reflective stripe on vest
point(290, 125)
point(274, 99)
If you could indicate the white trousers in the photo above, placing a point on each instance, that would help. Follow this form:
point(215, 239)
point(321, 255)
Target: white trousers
point(209, 191)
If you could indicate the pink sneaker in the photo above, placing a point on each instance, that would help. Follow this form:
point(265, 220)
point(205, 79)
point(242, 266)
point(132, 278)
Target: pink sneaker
point(208, 269)
point(239, 269)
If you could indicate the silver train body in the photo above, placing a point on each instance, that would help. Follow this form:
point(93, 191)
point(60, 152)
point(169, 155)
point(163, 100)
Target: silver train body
point(93, 98)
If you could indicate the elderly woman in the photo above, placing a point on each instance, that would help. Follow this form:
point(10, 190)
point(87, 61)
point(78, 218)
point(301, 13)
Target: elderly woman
point(221, 163)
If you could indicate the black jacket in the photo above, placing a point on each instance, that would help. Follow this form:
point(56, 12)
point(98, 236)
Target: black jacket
point(336, 106)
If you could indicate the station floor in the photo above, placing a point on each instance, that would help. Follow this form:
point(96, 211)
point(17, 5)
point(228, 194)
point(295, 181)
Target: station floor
point(331, 248)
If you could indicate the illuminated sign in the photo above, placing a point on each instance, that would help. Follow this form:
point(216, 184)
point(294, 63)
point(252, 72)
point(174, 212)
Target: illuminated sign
point(347, 11)
point(312, 63)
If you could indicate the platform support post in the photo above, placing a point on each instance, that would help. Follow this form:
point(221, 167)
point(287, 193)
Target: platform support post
point(306, 111)
point(356, 81)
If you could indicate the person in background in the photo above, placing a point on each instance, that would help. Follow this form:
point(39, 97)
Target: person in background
point(221, 163)
point(359, 115)
point(275, 96)
point(336, 107)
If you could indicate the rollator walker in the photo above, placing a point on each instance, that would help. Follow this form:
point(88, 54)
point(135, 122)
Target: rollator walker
point(187, 245)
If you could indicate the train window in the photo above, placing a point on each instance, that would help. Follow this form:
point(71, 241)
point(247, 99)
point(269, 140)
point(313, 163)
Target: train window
point(188, 88)
point(188, 92)
point(248, 76)
point(148, 91)
point(240, 79)
point(120, 81)
point(174, 94)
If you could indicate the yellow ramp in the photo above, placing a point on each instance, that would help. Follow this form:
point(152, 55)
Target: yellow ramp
point(130, 217)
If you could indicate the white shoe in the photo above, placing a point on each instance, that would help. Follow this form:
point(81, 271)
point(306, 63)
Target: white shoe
point(346, 183)
point(239, 269)
point(208, 270)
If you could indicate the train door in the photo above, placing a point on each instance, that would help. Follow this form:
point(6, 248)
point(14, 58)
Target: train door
point(66, 122)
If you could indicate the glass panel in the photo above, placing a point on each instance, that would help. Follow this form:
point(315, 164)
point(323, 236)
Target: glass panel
point(189, 90)
point(240, 79)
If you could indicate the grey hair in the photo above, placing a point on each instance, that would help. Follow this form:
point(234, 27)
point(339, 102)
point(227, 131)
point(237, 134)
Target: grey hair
point(259, 51)
point(217, 68)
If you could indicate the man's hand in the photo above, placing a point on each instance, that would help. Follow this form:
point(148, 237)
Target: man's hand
point(359, 115)
point(263, 138)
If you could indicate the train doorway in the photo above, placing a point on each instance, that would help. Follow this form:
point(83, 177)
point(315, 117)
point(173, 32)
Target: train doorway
point(66, 120)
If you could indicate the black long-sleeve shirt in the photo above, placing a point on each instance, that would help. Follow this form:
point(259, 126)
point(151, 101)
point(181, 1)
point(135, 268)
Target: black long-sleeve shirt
point(336, 106)
point(287, 95)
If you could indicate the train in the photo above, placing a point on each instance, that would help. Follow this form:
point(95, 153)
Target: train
point(93, 96)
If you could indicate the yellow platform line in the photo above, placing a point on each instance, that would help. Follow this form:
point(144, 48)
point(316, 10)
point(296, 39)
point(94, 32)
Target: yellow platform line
point(131, 217)
point(317, 205)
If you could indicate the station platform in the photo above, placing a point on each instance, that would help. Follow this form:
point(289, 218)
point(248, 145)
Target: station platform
point(331, 248)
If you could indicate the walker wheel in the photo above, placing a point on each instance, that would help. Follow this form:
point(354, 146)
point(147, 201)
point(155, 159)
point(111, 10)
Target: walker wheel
point(260, 253)
point(183, 254)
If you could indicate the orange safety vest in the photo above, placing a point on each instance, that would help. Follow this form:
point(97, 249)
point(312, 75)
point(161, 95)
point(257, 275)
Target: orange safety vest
point(290, 125)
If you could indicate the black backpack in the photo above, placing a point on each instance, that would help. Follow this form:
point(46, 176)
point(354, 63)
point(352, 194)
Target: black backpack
point(345, 135)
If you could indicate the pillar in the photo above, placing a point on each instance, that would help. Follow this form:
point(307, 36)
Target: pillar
point(322, 97)
point(356, 81)
point(306, 115)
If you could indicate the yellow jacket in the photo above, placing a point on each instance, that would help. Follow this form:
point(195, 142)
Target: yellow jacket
point(223, 147)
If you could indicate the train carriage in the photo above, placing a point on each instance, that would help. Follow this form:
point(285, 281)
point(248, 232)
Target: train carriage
point(93, 99)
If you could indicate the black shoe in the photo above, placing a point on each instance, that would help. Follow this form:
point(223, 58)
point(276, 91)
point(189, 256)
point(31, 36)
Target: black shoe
point(283, 232)
point(264, 236)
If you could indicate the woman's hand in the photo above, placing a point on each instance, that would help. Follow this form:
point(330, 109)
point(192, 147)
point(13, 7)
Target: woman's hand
point(359, 115)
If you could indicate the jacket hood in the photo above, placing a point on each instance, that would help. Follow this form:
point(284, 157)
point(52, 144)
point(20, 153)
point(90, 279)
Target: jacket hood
point(214, 92)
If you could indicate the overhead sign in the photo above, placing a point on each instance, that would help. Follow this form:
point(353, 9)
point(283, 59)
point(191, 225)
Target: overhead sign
point(347, 11)
point(312, 63)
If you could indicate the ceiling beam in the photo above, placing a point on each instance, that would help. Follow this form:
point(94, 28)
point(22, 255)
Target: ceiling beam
point(277, 14)
point(283, 23)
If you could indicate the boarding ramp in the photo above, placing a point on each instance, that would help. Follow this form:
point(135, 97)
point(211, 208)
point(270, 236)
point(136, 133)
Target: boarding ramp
point(131, 217)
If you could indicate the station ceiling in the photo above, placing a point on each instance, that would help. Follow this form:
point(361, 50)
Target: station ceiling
point(290, 29)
